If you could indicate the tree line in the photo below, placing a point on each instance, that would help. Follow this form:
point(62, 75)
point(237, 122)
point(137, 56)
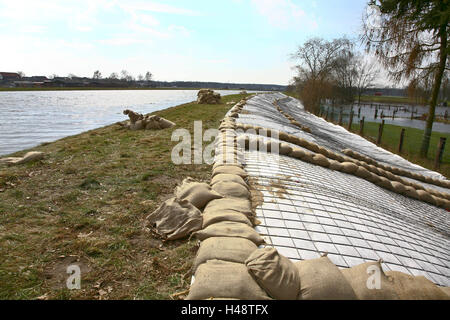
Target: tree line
point(409, 39)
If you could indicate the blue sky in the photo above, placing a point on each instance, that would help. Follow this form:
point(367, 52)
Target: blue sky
point(226, 41)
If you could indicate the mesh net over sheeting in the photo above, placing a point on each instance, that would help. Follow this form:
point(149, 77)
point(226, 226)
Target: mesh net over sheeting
point(308, 210)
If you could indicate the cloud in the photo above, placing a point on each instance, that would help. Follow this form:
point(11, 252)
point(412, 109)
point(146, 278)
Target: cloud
point(156, 7)
point(284, 14)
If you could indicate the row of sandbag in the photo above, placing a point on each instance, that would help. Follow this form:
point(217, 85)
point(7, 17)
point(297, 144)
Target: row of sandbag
point(260, 274)
point(181, 215)
point(228, 236)
point(292, 119)
point(396, 170)
point(368, 160)
point(335, 161)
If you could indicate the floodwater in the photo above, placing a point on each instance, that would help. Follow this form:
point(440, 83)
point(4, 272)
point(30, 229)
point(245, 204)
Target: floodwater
point(29, 118)
point(402, 116)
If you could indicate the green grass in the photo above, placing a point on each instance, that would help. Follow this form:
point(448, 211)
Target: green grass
point(88, 200)
point(411, 144)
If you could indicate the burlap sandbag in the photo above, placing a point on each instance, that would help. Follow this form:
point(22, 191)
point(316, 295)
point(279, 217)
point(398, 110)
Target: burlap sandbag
point(230, 229)
point(230, 170)
point(446, 291)
point(426, 196)
point(409, 287)
point(224, 248)
point(283, 136)
point(197, 193)
point(360, 279)
point(211, 217)
point(297, 153)
point(228, 178)
point(222, 279)
point(362, 172)
point(231, 190)
point(239, 205)
point(335, 165)
point(349, 167)
point(320, 279)
point(321, 160)
point(398, 187)
point(276, 274)
point(285, 149)
point(175, 219)
point(384, 183)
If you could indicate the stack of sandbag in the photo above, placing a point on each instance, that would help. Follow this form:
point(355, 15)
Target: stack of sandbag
point(208, 96)
point(28, 157)
point(141, 122)
point(181, 215)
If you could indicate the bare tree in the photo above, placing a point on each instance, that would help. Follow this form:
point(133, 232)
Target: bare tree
point(140, 77)
point(124, 75)
point(97, 75)
point(367, 73)
point(114, 76)
point(317, 58)
point(21, 74)
point(148, 76)
point(410, 38)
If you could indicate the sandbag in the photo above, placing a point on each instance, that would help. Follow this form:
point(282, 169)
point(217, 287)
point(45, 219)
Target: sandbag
point(446, 290)
point(175, 219)
point(231, 190)
point(211, 217)
point(359, 276)
point(321, 160)
point(223, 248)
point(230, 229)
point(228, 178)
point(197, 193)
point(398, 187)
point(283, 136)
point(349, 167)
point(276, 274)
point(410, 287)
point(411, 192)
point(285, 149)
point(230, 170)
point(239, 205)
point(425, 196)
point(221, 279)
point(362, 172)
point(297, 153)
point(28, 157)
point(320, 279)
point(335, 165)
point(384, 183)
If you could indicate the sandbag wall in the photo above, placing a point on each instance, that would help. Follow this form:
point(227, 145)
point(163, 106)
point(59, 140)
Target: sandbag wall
point(229, 264)
point(334, 161)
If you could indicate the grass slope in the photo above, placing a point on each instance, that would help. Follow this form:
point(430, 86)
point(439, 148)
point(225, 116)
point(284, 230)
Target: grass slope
point(86, 202)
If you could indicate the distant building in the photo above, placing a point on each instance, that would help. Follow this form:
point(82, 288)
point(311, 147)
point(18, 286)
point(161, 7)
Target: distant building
point(9, 76)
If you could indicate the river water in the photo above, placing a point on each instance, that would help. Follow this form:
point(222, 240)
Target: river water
point(402, 116)
point(29, 118)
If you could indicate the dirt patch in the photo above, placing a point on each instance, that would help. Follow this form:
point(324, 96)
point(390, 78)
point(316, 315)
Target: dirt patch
point(57, 274)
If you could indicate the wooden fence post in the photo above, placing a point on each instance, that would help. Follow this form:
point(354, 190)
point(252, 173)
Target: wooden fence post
point(361, 126)
point(350, 121)
point(340, 117)
point(380, 132)
point(400, 143)
point(439, 153)
point(376, 113)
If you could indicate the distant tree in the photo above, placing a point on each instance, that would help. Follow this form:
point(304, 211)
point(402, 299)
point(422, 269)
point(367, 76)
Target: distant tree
point(124, 75)
point(71, 75)
point(21, 74)
point(318, 59)
point(114, 76)
point(366, 75)
point(97, 75)
point(53, 76)
point(140, 77)
point(410, 38)
point(148, 76)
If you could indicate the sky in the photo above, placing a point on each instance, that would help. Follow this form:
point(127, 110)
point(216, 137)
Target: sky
point(240, 41)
